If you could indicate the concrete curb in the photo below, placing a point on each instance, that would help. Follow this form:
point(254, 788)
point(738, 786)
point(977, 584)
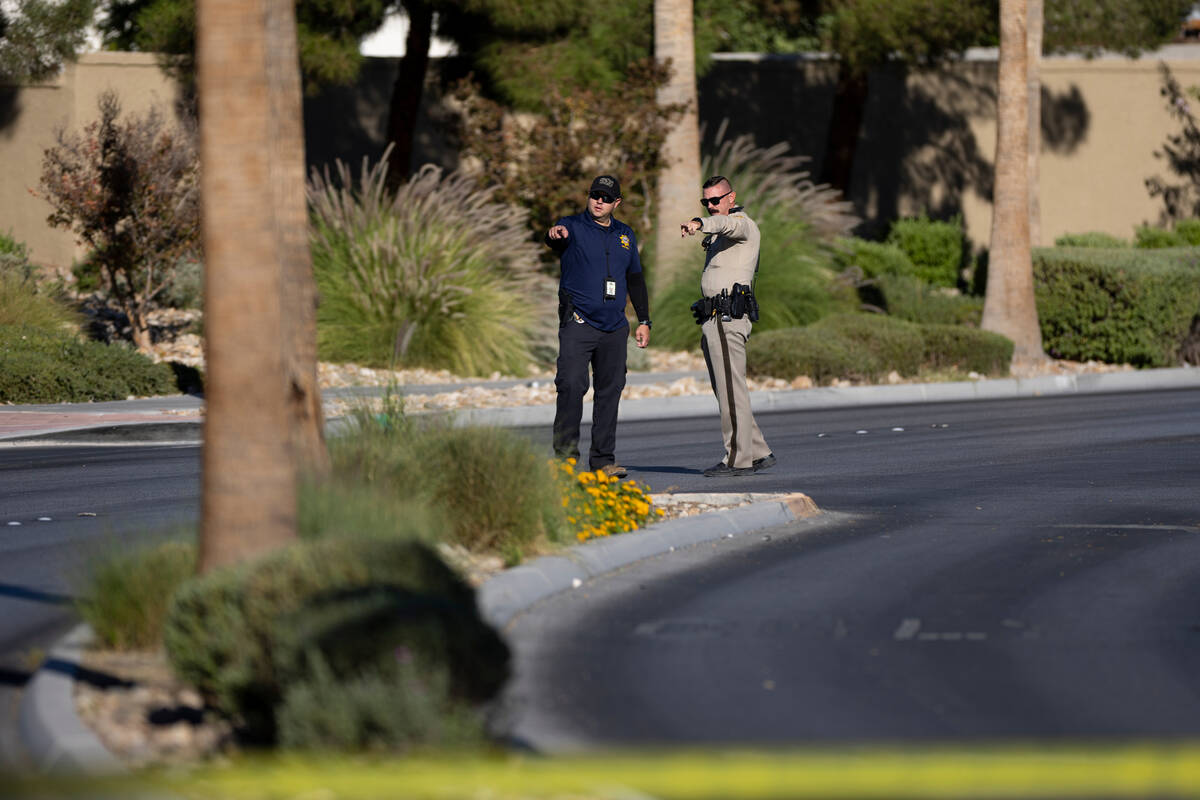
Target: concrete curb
point(651, 408)
point(59, 742)
point(508, 594)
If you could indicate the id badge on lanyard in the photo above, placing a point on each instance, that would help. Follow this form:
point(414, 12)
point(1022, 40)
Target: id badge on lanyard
point(610, 289)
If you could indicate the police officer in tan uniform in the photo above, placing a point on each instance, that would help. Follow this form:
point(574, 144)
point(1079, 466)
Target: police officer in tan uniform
point(726, 313)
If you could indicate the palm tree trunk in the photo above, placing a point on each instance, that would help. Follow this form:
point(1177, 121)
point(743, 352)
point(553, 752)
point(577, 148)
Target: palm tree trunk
point(291, 216)
point(679, 180)
point(407, 91)
point(1010, 308)
point(248, 487)
point(1033, 41)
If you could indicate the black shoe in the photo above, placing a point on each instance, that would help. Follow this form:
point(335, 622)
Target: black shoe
point(721, 470)
point(766, 462)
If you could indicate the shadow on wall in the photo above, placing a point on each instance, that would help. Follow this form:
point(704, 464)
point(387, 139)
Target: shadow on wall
point(10, 109)
point(1065, 120)
point(350, 122)
point(918, 150)
point(773, 100)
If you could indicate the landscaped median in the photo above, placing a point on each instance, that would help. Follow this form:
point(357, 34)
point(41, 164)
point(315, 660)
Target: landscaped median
point(367, 634)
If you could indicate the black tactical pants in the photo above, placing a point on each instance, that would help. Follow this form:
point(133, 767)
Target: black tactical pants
point(581, 345)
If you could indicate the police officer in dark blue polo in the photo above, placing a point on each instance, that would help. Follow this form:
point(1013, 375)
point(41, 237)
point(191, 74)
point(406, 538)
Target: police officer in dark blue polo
point(600, 268)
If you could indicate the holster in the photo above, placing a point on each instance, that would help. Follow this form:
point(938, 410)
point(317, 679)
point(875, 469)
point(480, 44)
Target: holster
point(742, 303)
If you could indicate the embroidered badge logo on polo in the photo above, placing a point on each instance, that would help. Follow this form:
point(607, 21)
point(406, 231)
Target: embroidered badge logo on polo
point(624, 241)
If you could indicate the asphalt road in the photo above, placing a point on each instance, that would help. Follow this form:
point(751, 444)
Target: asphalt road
point(867, 627)
point(72, 505)
point(996, 570)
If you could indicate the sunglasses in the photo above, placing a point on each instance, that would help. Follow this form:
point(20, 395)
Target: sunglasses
point(602, 197)
point(712, 201)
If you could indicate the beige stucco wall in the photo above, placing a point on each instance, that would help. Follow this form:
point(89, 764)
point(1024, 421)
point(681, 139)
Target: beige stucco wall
point(1099, 183)
point(33, 114)
point(927, 142)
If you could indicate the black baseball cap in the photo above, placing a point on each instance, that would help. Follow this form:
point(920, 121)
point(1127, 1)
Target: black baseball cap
point(607, 184)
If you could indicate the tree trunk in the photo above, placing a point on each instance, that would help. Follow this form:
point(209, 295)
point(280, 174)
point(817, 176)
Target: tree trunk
point(248, 502)
point(679, 180)
point(849, 107)
point(299, 298)
point(1033, 41)
point(1009, 308)
point(407, 91)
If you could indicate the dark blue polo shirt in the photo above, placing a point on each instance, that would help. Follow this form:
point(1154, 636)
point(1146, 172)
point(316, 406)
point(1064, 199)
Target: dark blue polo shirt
point(592, 253)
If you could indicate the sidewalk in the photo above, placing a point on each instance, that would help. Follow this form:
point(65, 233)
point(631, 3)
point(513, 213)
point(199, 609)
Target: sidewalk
point(178, 418)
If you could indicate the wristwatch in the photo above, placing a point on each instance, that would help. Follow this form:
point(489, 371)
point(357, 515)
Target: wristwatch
point(645, 322)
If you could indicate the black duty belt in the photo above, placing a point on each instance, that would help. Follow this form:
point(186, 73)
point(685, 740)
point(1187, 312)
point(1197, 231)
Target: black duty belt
point(728, 305)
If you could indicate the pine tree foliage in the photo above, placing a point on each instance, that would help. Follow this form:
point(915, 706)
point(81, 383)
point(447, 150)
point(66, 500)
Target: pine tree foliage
point(37, 36)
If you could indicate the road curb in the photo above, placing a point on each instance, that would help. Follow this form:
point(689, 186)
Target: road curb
point(49, 727)
point(513, 591)
point(653, 408)
point(59, 742)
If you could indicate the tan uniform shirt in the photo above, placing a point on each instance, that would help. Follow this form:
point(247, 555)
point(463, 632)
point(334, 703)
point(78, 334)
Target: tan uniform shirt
point(732, 254)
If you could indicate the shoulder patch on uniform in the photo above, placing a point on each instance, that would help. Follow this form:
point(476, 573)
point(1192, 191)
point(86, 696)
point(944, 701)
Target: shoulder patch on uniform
point(624, 241)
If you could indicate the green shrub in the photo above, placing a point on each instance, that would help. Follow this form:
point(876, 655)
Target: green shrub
point(502, 491)
point(187, 286)
point(1148, 237)
point(1189, 231)
point(1090, 239)
point(790, 352)
point(966, 349)
point(868, 346)
point(908, 298)
point(1117, 305)
point(936, 248)
point(126, 593)
point(397, 712)
point(441, 274)
point(14, 258)
point(872, 259)
point(347, 505)
point(897, 344)
point(37, 366)
point(24, 303)
point(247, 634)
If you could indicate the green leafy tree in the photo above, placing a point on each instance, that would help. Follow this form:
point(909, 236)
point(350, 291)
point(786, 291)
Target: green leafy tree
point(1123, 26)
point(36, 36)
point(329, 34)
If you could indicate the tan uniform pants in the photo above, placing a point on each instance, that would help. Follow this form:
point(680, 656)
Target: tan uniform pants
point(724, 346)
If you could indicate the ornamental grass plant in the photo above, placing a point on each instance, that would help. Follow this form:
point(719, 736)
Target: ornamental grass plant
point(497, 492)
point(438, 274)
point(23, 301)
point(126, 590)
